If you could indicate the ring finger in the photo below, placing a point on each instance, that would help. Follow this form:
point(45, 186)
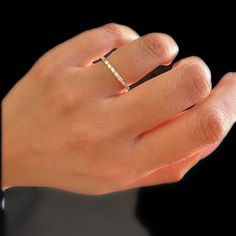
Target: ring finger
point(163, 97)
point(132, 61)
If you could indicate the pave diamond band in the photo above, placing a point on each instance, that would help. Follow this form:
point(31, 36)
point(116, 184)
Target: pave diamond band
point(116, 74)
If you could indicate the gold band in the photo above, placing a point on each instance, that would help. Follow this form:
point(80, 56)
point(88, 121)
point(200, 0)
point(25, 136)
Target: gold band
point(116, 74)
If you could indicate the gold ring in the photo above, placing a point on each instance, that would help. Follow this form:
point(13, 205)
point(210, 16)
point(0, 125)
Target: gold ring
point(116, 74)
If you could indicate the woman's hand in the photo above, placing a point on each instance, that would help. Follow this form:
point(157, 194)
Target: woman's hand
point(67, 125)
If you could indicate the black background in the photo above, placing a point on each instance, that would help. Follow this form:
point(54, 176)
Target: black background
point(204, 202)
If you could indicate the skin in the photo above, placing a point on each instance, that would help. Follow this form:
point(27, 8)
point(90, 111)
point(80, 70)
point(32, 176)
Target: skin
point(72, 128)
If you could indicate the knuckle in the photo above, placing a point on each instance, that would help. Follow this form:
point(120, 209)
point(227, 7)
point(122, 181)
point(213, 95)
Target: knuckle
point(115, 30)
point(47, 68)
point(65, 100)
point(212, 125)
point(43, 67)
point(68, 100)
point(156, 45)
point(229, 75)
point(198, 86)
point(230, 79)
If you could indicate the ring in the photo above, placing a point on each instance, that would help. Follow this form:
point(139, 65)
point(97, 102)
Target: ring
point(116, 74)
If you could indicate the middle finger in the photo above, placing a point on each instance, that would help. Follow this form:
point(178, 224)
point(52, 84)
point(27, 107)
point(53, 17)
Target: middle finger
point(163, 97)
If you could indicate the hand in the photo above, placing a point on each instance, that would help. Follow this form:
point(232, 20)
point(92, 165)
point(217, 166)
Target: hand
point(67, 125)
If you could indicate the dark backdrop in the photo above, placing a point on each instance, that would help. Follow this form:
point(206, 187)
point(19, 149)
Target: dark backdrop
point(203, 202)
